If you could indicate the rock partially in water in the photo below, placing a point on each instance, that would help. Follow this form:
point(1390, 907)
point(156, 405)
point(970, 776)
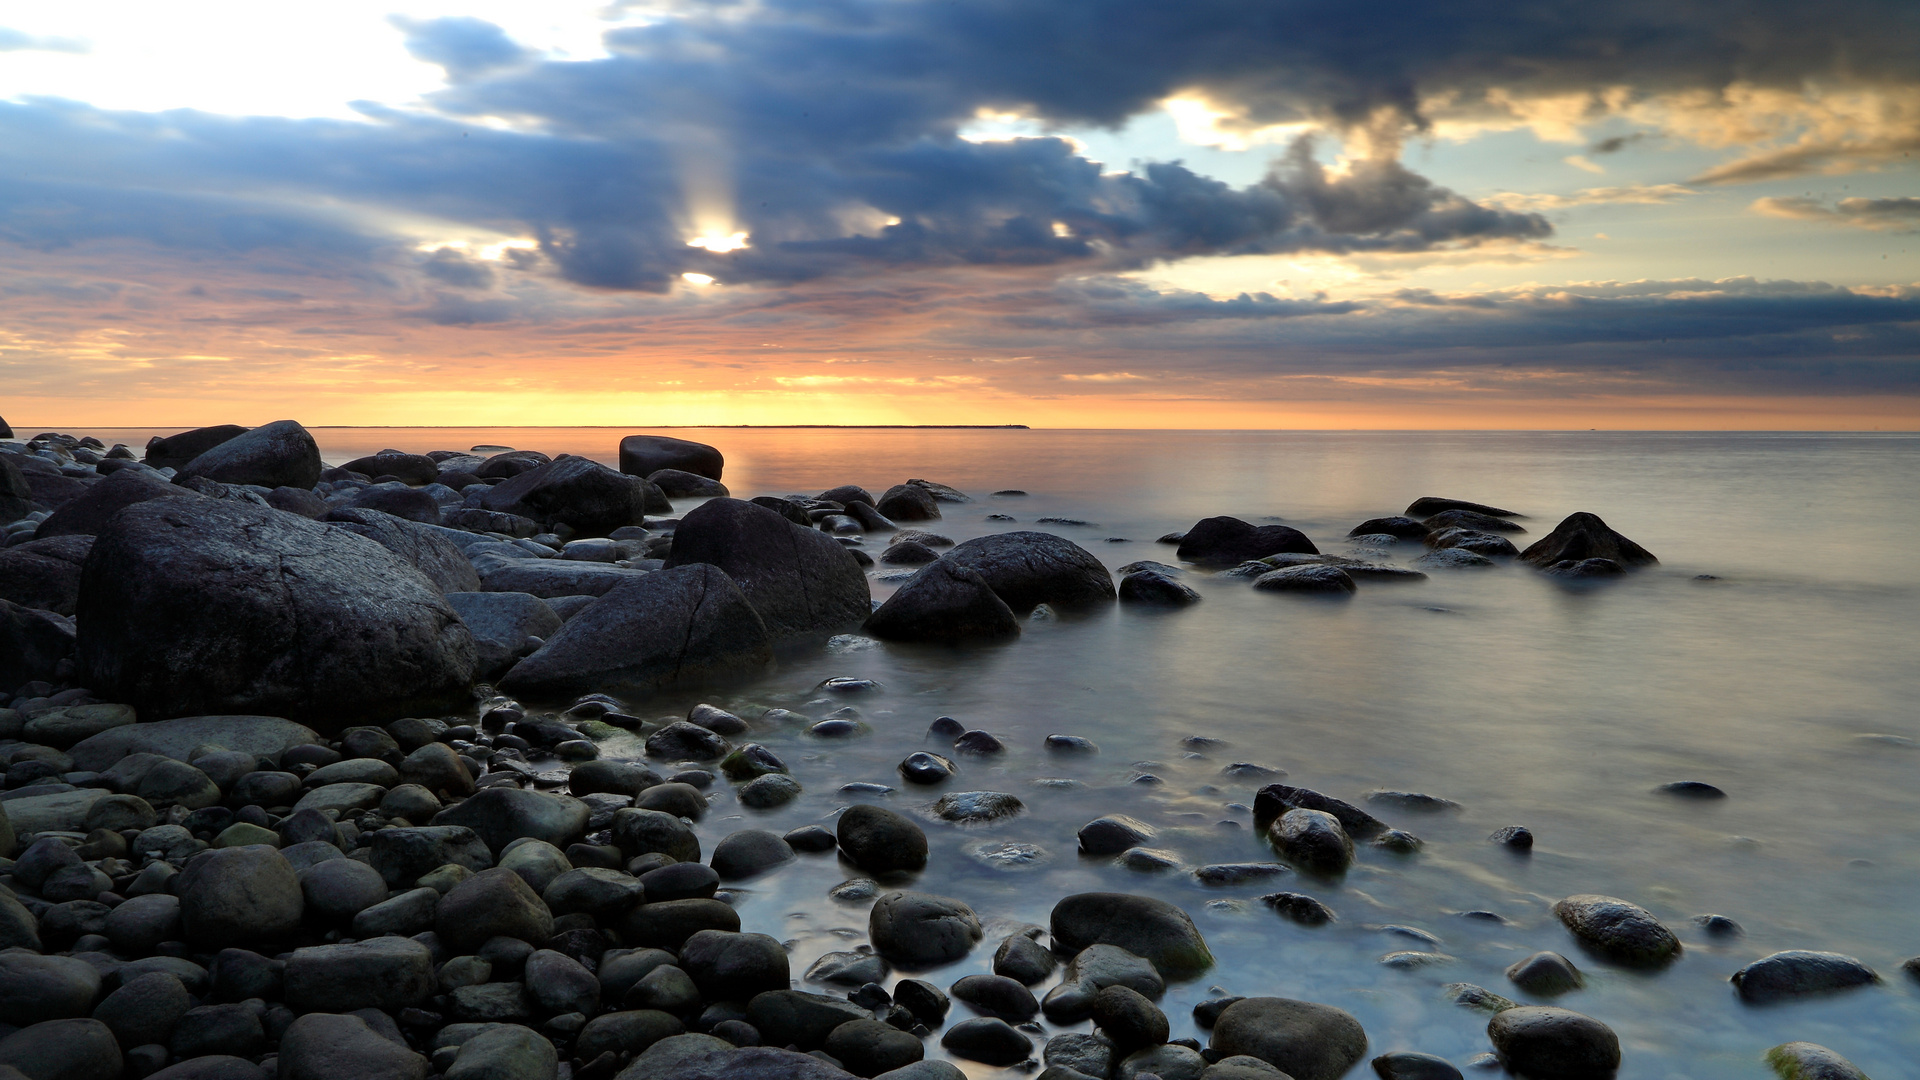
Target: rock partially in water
point(1113, 834)
point(1617, 930)
point(996, 995)
point(1480, 543)
point(1429, 505)
point(881, 841)
point(1411, 801)
point(977, 807)
point(1303, 1039)
point(1143, 925)
point(799, 580)
point(577, 492)
point(944, 602)
point(871, 1048)
point(1299, 907)
point(1545, 974)
point(1027, 569)
point(921, 767)
point(1516, 837)
point(1276, 799)
point(1312, 840)
point(1219, 542)
point(1317, 580)
point(1407, 1065)
point(988, 1040)
point(1469, 996)
point(1023, 959)
point(1453, 559)
point(1535, 1040)
point(644, 455)
point(680, 484)
point(1222, 874)
point(1799, 973)
point(908, 502)
point(1470, 519)
point(1811, 1061)
point(1155, 589)
point(1585, 536)
point(918, 930)
point(1691, 789)
point(1398, 527)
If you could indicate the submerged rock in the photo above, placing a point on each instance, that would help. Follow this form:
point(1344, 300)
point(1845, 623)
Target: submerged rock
point(1811, 1061)
point(944, 602)
point(1798, 973)
point(1153, 588)
point(1431, 505)
point(1322, 580)
point(1225, 541)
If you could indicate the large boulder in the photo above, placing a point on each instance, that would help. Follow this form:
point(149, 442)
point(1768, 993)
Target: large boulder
point(260, 736)
point(1300, 1038)
point(1027, 569)
point(944, 602)
point(32, 644)
point(329, 1046)
point(580, 493)
point(16, 494)
point(273, 455)
point(390, 973)
point(1622, 932)
point(492, 903)
point(36, 988)
point(62, 1050)
point(920, 930)
point(681, 624)
point(1584, 536)
point(420, 545)
point(1142, 925)
point(1538, 1041)
point(501, 815)
point(88, 515)
point(502, 624)
point(191, 607)
point(1227, 541)
point(45, 574)
point(644, 455)
point(176, 450)
point(800, 580)
point(232, 896)
point(406, 468)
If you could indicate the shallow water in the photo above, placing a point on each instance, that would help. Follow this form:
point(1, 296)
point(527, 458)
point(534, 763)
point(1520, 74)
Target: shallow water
point(1527, 702)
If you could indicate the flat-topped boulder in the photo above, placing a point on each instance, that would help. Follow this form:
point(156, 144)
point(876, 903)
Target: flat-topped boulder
point(644, 455)
point(800, 580)
point(273, 455)
point(261, 736)
point(200, 607)
point(173, 451)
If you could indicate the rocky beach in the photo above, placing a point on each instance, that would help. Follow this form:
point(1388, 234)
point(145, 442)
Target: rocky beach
point(496, 764)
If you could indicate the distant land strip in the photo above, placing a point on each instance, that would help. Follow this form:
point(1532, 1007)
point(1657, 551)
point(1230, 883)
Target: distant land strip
point(649, 427)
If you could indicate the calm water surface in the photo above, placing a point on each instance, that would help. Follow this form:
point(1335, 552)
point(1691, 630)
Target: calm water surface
point(1789, 680)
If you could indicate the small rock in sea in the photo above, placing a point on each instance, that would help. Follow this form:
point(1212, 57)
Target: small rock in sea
point(1237, 873)
point(1299, 907)
point(1811, 1061)
point(1410, 960)
point(946, 727)
point(996, 995)
point(846, 684)
point(1718, 926)
point(1517, 837)
point(1303, 1039)
point(988, 1040)
point(1535, 1040)
point(1399, 841)
point(1113, 834)
point(1007, 854)
point(1001, 517)
point(1583, 536)
point(1622, 932)
point(1128, 1020)
point(1411, 801)
point(767, 792)
point(922, 536)
point(1406, 1065)
point(838, 727)
point(848, 969)
point(1171, 538)
point(1411, 933)
point(811, 839)
point(1023, 960)
point(1313, 580)
point(880, 841)
point(1469, 996)
point(855, 890)
point(1247, 770)
point(977, 807)
point(1062, 521)
point(1453, 559)
point(1691, 789)
point(1071, 744)
point(841, 644)
point(1156, 589)
point(1149, 860)
point(908, 553)
point(1312, 840)
point(921, 767)
point(1799, 973)
point(1545, 974)
point(1008, 493)
point(978, 742)
point(1148, 564)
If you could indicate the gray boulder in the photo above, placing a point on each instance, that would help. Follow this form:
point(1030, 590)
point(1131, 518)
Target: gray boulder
point(502, 624)
point(45, 574)
point(800, 580)
point(551, 578)
point(231, 896)
point(1027, 569)
point(259, 736)
point(578, 492)
point(389, 973)
point(88, 514)
point(881, 841)
point(329, 1046)
point(1300, 1038)
point(505, 1052)
point(727, 1063)
point(62, 1050)
point(492, 903)
point(338, 889)
point(560, 984)
point(920, 930)
point(680, 484)
point(1799, 973)
point(674, 625)
point(273, 455)
point(175, 451)
point(644, 455)
point(36, 988)
point(144, 1009)
point(1142, 925)
point(197, 607)
point(944, 602)
point(501, 815)
point(1617, 930)
point(422, 546)
point(1534, 1040)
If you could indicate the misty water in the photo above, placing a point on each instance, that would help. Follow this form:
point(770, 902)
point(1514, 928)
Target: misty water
point(1788, 679)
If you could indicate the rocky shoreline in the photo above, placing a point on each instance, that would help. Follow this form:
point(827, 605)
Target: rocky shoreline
point(305, 777)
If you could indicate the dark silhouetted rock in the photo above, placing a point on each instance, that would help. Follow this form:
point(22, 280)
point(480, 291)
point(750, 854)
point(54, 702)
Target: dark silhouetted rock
point(1798, 973)
point(1276, 799)
point(407, 468)
point(944, 602)
point(175, 451)
point(1468, 519)
point(273, 455)
point(425, 548)
point(32, 645)
point(680, 484)
point(1585, 536)
point(1154, 589)
point(16, 494)
point(45, 574)
point(644, 455)
point(800, 580)
point(1537, 1041)
point(89, 514)
point(1315, 580)
point(682, 624)
point(919, 930)
point(908, 502)
point(582, 494)
point(1305, 1040)
point(1226, 541)
point(1027, 569)
point(1405, 528)
point(987, 1039)
point(207, 606)
point(880, 841)
point(1429, 506)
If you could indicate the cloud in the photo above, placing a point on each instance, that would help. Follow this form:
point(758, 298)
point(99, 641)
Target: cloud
point(1642, 194)
point(15, 41)
point(1861, 213)
point(464, 46)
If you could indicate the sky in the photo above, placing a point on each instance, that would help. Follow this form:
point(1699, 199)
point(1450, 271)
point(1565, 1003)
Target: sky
point(1077, 213)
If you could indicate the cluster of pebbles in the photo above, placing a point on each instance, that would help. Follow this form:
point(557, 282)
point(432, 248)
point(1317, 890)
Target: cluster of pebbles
point(213, 866)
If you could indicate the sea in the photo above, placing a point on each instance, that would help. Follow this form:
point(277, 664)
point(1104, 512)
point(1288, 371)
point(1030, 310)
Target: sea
point(1771, 653)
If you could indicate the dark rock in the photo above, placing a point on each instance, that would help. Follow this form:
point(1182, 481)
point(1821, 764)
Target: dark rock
point(627, 1032)
point(988, 1040)
point(273, 455)
point(976, 807)
point(1534, 1040)
point(62, 1050)
point(734, 967)
point(1146, 926)
point(1324, 580)
point(390, 973)
point(1276, 799)
point(908, 502)
point(394, 499)
point(328, 1046)
point(89, 513)
point(1312, 840)
point(881, 841)
point(1225, 541)
point(206, 606)
point(792, 1017)
point(510, 463)
point(1468, 519)
point(577, 492)
point(799, 580)
point(1617, 930)
point(1405, 528)
point(869, 1047)
point(997, 995)
point(683, 741)
point(1798, 973)
point(1128, 1019)
point(338, 889)
point(1156, 589)
point(501, 815)
point(403, 856)
point(944, 602)
point(638, 832)
point(644, 455)
point(922, 767)
point(36, 988)
point(144, 1009)
point(1810, 1061)
point(1410, 1066)
point(1023, 960)
point(1453, 559)
point(918, 930)
point(559, 984)
point(424, 547)
point(1113, 834)
point(492, 903)
point(668, 924)
point(33, 644)
point(747, 852)
point(1027, 569)
point(232, 896)
point(1302, 1039)
point(209, 1067)
point(175, 451)
point(1517, 837)
point(1479, 543)
point(1545, 974)
point(1585, 536)
point(407, 468)
point(1430, 505)
point(506, 1052)
point(908, 553)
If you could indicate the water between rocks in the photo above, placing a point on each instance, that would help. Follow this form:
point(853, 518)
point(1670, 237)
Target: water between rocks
point(1789, 680)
